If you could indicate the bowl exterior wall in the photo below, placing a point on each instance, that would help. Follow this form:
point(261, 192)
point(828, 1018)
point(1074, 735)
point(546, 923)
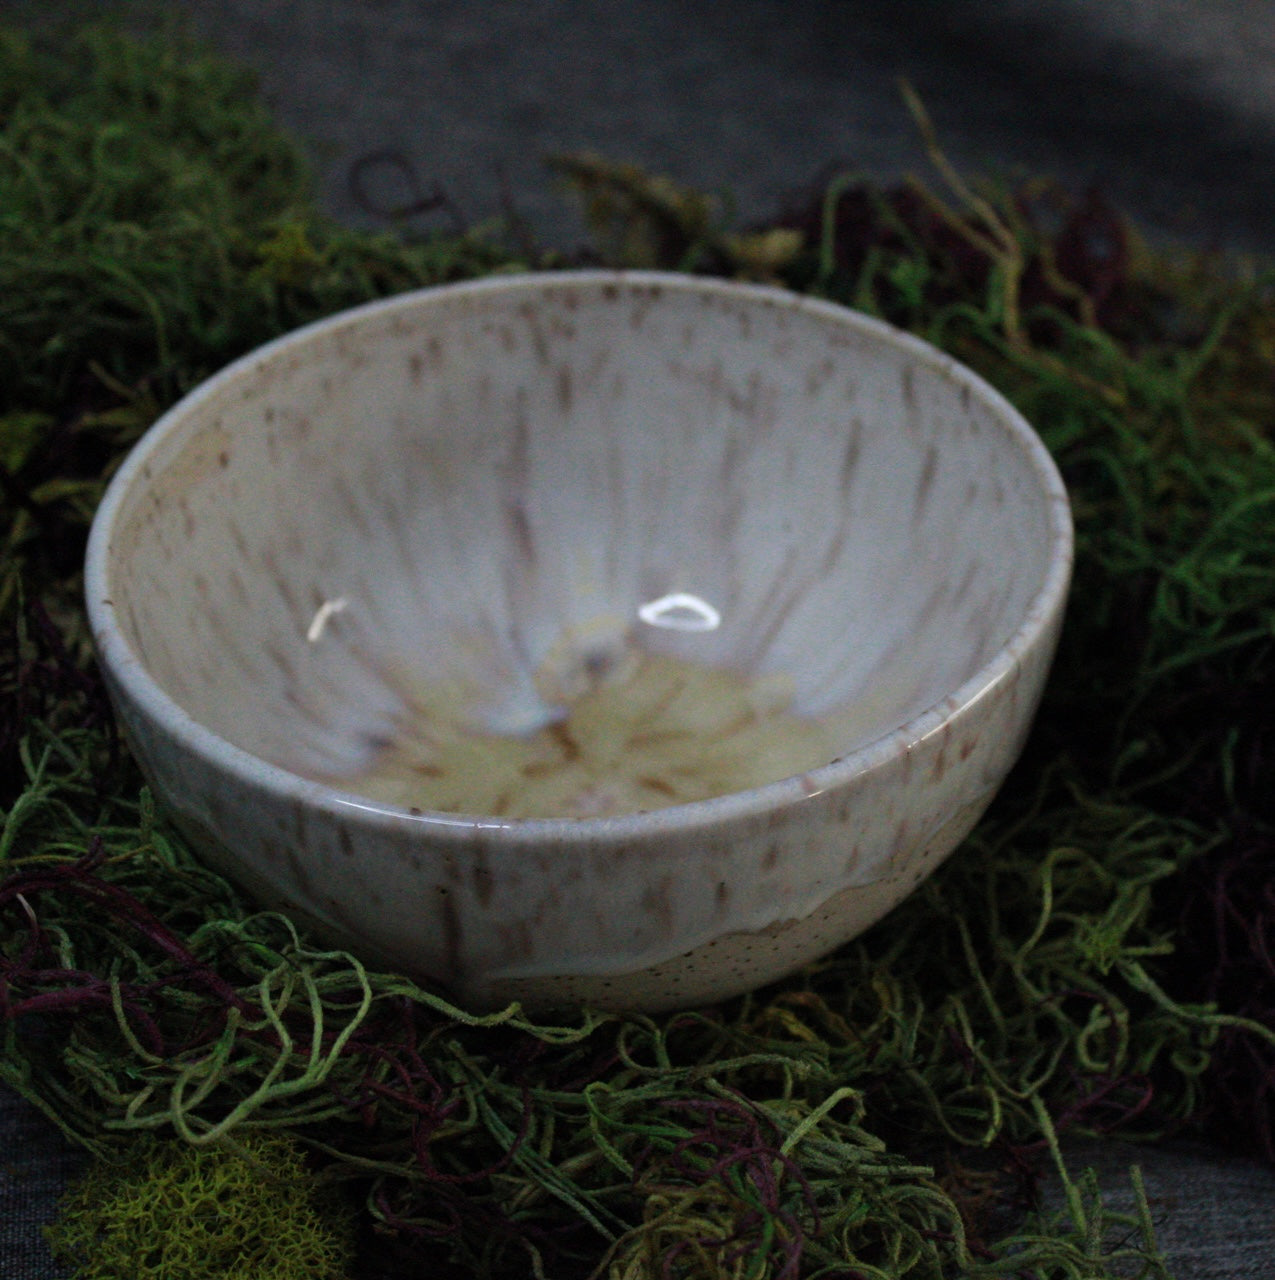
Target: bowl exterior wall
point(710, 909)
point(679, 906)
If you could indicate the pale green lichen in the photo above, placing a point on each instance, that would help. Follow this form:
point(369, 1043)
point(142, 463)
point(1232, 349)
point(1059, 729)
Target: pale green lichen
point(247, 1210)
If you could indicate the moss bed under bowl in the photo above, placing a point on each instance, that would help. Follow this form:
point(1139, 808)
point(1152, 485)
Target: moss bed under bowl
point(1096, 959)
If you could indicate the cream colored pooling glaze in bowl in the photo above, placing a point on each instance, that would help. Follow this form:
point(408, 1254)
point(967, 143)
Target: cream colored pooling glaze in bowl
point(449, 482)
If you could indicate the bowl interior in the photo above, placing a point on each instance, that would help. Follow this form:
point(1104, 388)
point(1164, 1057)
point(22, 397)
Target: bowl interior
point(474, 503)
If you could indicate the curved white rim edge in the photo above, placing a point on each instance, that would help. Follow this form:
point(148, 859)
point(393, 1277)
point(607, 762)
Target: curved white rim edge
point(126, 667)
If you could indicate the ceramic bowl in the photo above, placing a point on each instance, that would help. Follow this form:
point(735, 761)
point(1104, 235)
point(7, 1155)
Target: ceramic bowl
point(463, 510)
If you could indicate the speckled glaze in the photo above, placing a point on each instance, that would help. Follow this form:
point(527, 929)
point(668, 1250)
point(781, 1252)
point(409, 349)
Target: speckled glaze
point(452, 481)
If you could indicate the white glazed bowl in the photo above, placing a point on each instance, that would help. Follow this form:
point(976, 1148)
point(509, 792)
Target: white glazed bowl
point(466, 479)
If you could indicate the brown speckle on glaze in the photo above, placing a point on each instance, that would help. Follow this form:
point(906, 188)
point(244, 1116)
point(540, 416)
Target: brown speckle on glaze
point(564, 385)
point(300, 872)
point(453, 936)
point(657, 901)
point(924, 483)
point(902, 835)
point(532, 318)
point(520, 533)
point(484, 881)
point(818, 375)
point(850, 457)
point(968, 579)
point(747, 487)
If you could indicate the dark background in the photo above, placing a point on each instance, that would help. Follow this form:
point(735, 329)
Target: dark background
point(1168, 106)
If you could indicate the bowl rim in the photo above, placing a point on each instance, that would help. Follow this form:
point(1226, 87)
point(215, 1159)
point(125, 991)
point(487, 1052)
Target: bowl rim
point(124, 667)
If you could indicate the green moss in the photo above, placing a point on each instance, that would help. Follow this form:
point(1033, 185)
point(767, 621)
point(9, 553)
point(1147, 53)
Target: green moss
point(871, 1115)
point(154, 224)
point(247, 1210)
